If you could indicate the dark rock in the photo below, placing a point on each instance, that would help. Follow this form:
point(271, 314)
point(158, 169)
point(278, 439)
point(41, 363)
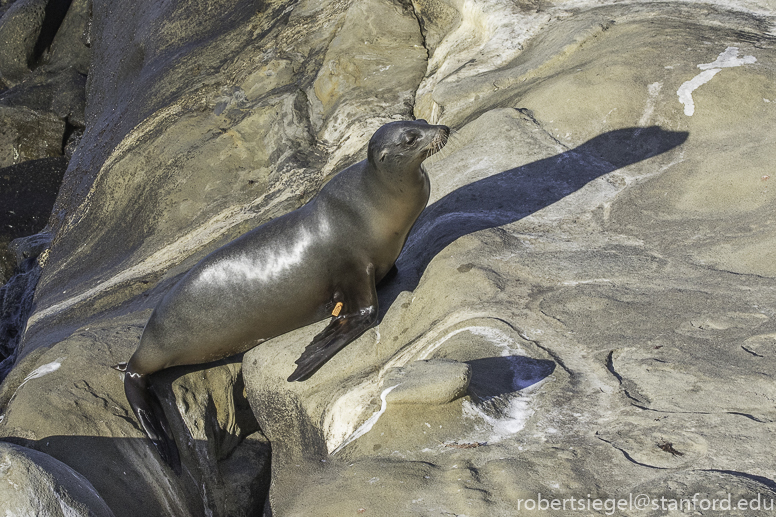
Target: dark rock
point(30, 247)
point(69, 45)
point(27, 134)
point(27, 194)
point(7, 261)
point(16, 298)
point(20, 27)
point(60, 92)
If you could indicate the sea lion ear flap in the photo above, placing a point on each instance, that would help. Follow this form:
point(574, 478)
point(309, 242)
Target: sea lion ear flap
point(383, 154)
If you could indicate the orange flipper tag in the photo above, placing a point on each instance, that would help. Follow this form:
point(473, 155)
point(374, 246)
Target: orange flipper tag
point(337, 309)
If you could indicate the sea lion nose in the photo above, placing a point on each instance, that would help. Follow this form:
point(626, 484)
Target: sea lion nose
point(421, 120)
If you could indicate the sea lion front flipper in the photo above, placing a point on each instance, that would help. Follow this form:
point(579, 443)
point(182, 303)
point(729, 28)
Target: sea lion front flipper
point(341, 330)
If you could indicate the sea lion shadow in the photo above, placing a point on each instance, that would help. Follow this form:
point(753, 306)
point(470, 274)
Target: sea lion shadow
point(513, 194)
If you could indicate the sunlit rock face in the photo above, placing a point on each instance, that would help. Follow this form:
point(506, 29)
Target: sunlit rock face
point(585, 307)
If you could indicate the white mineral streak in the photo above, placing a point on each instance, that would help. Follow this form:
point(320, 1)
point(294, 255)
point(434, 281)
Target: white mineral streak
point(371, 421)
point(344, 413)
point(653, 90)
point(727, 59)
point(495, 336)
point(512, 420)
point(491, 33)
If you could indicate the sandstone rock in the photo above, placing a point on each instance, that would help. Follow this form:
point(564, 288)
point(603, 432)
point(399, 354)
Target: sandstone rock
point(84, 422)
point(371, 68)
point(33, 483)
point(427, 382)
point(228, 455)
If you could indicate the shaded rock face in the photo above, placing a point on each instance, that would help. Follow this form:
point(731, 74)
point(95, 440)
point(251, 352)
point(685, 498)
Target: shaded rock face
point(43, 68)
point(585, 307)
point(33, 483)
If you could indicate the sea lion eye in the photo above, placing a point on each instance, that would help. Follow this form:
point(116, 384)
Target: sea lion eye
point(410, 139)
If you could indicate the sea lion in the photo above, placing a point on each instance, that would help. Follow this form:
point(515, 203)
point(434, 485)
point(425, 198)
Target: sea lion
point(323, 259)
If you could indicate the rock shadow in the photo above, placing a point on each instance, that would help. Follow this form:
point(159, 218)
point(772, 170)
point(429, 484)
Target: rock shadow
point(509, 196)
point(494, 377)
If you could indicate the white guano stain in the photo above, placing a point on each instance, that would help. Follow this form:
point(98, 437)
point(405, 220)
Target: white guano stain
point(727, 59)
point(40, 371)
point(685, 90)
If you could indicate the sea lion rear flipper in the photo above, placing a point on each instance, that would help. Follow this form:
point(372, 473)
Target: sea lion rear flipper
point(148, 410)
point(340, 331)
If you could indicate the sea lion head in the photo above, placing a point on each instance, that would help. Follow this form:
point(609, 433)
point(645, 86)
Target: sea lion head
point(403, 145)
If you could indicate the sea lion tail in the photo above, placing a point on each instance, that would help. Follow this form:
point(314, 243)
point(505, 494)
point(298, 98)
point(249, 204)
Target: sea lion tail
point(148, 410)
